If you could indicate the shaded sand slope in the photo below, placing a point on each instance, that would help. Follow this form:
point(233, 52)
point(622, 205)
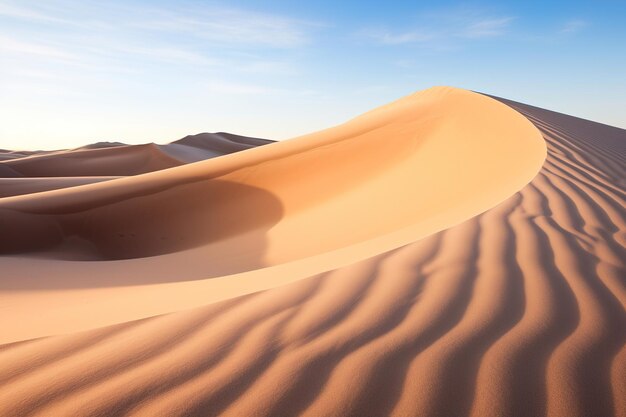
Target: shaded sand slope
point(253, 220)
point(20, 186)
point(195, 148)
point(517, 312)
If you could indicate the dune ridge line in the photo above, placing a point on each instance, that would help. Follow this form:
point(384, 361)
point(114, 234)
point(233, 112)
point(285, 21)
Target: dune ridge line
point(263, 217)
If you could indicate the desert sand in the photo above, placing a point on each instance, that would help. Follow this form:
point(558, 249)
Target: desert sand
point(427, 258)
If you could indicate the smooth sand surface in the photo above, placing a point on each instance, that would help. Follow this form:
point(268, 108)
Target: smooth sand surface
point(518, 311)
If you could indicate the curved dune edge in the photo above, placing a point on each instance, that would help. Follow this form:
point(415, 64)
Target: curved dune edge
point(10, 187)
point(385, 179)
point(520, 311)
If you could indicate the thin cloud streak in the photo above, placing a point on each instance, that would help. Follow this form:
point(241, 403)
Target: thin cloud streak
point(232, 88)
point(18, 47)
point(487, 28)
point(225, 87)
point(386, 37)
point(18, 12)
point(88, 36)
point(441, 28)
point(574, 25)
point(229, 26)
point(217, 25)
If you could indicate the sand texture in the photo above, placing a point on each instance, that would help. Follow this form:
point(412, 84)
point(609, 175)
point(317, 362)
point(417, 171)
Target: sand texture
point(424, 259)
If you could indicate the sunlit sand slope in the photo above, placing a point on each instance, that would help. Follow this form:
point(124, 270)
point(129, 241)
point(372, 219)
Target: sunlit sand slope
point(519, 311)
point(260, 218)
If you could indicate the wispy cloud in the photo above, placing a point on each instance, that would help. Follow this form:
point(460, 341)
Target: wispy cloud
point(388, 37)
point(226, 87)
point(189, 37)
point(256, 65)
point(87, 56)
point(18, 47)
point(438, 27)
point(486, 28)
point(19, 12)
point(573, 26)
point(210, 23)
point(166, 54)
point(229, 26)
point(234, 88)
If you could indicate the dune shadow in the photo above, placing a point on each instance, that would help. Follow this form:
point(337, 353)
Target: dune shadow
point(220, 224)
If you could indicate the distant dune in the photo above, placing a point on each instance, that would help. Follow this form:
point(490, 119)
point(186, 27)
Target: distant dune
point(44, 171)
point(438, 264)
point(195, 148)
point(119, 159)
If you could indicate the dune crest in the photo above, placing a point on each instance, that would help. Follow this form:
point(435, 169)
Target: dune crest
point(264, 217)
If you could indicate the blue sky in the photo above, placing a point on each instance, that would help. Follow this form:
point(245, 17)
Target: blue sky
point(75, 72)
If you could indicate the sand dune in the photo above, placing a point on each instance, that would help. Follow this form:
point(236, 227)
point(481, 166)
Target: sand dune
point(118, 159)
point(195, 148)
point(260, 218)
point(518, 311)
point(32, 172)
